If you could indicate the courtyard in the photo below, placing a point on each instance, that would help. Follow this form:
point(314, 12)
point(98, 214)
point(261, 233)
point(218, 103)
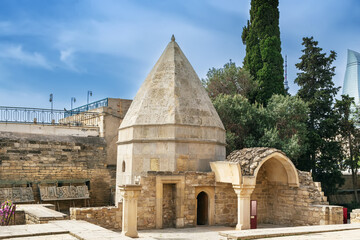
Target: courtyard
point(72, 230)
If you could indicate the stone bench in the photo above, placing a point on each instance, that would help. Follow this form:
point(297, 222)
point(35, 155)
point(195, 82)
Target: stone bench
point(40, 213)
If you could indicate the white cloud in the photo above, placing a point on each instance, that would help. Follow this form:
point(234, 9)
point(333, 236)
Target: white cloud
point(17, 53)
point(67, 56)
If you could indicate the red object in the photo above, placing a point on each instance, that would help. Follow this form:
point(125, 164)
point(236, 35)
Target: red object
point(345, 215)
point(253, 210)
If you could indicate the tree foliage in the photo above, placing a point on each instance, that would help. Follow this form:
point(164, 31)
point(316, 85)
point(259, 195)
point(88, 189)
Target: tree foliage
point(318, 91)
point(229, 80)
point(263, 49)
point(281, 125)
point(349, 135)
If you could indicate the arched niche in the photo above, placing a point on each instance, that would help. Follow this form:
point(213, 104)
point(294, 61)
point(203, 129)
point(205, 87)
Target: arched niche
point(279, 169)
point(202, 216)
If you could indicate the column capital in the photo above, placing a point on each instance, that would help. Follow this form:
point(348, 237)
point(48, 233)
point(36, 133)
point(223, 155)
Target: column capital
point(130, 191)
point(243, 190)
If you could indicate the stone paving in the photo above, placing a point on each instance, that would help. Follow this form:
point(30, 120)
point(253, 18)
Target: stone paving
point(55, 230)
point(71, 230)
point(339, 235)
point(198, 233)
point(47, 237)
point(284, 233)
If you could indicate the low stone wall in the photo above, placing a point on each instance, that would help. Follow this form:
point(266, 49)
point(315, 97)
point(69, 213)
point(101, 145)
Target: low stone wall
point(355, 216)
point(108, 217)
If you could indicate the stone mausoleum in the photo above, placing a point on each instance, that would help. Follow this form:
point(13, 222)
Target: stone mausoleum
point(172, 170)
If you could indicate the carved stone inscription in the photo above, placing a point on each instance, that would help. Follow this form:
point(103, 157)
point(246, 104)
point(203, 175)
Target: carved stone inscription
point(50, 193)
point(17, 194)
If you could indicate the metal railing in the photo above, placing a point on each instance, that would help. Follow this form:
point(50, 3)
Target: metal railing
point(47, 116)
point(101, 103)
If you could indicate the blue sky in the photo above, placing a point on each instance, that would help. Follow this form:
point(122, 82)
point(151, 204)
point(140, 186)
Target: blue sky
point(67, 47)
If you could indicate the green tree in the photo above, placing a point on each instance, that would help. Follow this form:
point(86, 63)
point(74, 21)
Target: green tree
point(318, 91)
point(285, 126)
point(240, 118)
point(350, 137)
point(263, 49)
point(229, 80)
point(281, 125)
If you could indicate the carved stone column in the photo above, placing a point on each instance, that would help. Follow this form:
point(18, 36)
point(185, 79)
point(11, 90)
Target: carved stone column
point(243, 196)
point(130, 194)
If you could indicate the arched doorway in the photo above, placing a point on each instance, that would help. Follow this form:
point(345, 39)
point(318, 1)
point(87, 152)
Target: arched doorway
point(202, 209)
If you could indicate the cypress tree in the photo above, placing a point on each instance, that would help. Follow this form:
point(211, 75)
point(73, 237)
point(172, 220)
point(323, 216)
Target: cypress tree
point(263, 49)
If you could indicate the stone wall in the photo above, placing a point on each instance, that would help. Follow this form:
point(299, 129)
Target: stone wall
point(224, 212)
point(147, 203)
point(109, 121)
point(355, 216)
point(107, 217)
point(33, 159)
point(225, 208)
point(225, 204)
point(283, 205)
point(277, 203)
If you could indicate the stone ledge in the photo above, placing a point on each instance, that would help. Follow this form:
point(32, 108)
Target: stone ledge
point(79, 229)
point(289, 231)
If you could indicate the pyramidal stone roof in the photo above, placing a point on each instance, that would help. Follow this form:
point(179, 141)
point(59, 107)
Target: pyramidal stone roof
point(172, 93)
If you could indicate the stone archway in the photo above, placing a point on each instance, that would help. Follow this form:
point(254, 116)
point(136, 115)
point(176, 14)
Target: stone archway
point(245, 167)
point(202, 209)
point(273, 192)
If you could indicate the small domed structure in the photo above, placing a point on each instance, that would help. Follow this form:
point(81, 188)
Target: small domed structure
point(172, 124)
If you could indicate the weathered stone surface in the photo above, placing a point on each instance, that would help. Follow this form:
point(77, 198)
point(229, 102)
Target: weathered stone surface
point(107, 217)
point(172, 93)
point(355, 216)
point(171, 124)
point(249, 158)
point(47, 159)
point(294, 206)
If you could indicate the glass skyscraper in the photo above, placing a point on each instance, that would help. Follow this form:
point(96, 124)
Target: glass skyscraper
point(351, 85)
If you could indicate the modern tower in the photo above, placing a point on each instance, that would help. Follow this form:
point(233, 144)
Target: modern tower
point(351, 85)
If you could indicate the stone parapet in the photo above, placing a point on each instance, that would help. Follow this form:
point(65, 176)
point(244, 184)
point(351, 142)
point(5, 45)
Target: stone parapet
point(55, 130)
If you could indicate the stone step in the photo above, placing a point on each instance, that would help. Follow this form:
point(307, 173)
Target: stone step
point(289, 231)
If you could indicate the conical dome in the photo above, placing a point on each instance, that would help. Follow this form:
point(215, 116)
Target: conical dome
point(172, 93)
point(171, 125)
